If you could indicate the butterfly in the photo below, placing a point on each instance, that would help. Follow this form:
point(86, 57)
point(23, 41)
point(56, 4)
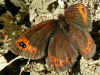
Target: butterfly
point(59, 41)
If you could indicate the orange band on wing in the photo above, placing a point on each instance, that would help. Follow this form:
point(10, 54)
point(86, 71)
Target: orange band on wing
point(29, 48)
point(83, 12)
point(89, 46)
point(58, 62)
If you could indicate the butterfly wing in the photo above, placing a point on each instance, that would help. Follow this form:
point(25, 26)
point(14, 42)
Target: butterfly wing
point(84, 42)
point(32, 43)
point(61, 52)
point(63, 47)
point(79, 15)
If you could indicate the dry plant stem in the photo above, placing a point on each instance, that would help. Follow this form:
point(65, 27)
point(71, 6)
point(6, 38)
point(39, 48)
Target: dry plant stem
point(18, 57)
point(22, 69)
point(95, 62)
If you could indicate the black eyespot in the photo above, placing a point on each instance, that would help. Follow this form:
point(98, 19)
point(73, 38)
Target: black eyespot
point(22, 44)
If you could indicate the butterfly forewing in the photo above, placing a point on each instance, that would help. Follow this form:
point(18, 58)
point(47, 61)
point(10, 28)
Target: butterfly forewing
point(79, 15)
point(33, 42)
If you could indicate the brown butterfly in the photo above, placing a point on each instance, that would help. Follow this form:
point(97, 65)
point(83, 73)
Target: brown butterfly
point(62, 39)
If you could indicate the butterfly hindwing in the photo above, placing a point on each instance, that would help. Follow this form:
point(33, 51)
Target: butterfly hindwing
point(84, 42)
point(90, 49)
point(61, 52)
